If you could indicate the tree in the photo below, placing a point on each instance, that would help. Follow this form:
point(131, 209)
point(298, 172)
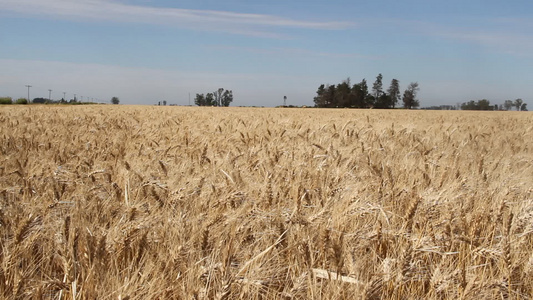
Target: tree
point(330, 96)
point(218, 96)
point(21, 101)
point(484, 104)
point(508, 104)
point(39, 100)
point(200, 100)
point(115, 100)
point(409, 96)
point(227, 98)
point(284, 100)
point(6, 100)
point(384, 101)
point(210, 99)
point(524, 107)
point(359, 94)
point(164, 102)
point(377, 88)
point(518, 104)
point(470, 105)
point(319, 99)
point(394, 92)
point(342, 94)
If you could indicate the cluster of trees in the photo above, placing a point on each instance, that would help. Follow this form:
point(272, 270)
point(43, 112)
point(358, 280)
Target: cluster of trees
point(74, 101)
point(9, 100)
point(484, 104)
point(219, 97)
point(518, 103)
point(40, 100)
point(359, 95)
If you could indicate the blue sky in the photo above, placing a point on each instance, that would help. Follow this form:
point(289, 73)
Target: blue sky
point(145, 51)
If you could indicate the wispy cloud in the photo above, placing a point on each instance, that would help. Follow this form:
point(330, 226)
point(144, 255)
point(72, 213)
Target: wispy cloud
point(109, 10)
point(292, 52)
point(509, 43)
point(503, 35)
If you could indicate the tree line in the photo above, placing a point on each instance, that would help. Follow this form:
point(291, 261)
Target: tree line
point(9, 100)
point(484, 104)
point(359, 95)
point(41, 100)
point(219, 97)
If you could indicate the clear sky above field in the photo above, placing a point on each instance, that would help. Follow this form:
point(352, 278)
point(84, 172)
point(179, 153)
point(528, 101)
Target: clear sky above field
point(145, 51)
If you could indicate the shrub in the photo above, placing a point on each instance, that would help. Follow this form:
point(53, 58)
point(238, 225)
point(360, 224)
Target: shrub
point(21, 101)
point(40, 100)
point(6, 100)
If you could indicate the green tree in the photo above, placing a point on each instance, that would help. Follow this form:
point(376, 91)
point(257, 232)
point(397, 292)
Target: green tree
point(227, 98)
point(210, 99)
point(394, 92)
point(524, 107)
point(39, 100)
point(508, 104)
point(377, 87)
point(409, 96)
point(384, 101)
point(330, 96)
point(6, 100)
point(115, 100)
point(200, 100)
point(518, 104)
point(484, 104)
point(470, 105)
point(342, 94)
point(21, 101)
point(359, 94)
point(319, 98)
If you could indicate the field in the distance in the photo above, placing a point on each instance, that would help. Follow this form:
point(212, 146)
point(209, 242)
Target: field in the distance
point(119, 202)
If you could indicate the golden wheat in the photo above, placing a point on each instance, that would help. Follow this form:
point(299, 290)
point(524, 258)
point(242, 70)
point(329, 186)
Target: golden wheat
point(126, 202)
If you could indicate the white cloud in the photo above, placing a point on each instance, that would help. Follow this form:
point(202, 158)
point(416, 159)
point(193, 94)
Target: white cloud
point(108, 10)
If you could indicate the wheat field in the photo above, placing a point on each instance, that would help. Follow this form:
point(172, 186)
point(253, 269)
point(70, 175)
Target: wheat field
point(143, 202)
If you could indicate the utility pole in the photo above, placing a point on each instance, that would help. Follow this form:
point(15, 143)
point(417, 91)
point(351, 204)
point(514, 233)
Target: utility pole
point(49, 95)
point(74, 97)
point(64, 96)
point(28, 86)
point(189, 99)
